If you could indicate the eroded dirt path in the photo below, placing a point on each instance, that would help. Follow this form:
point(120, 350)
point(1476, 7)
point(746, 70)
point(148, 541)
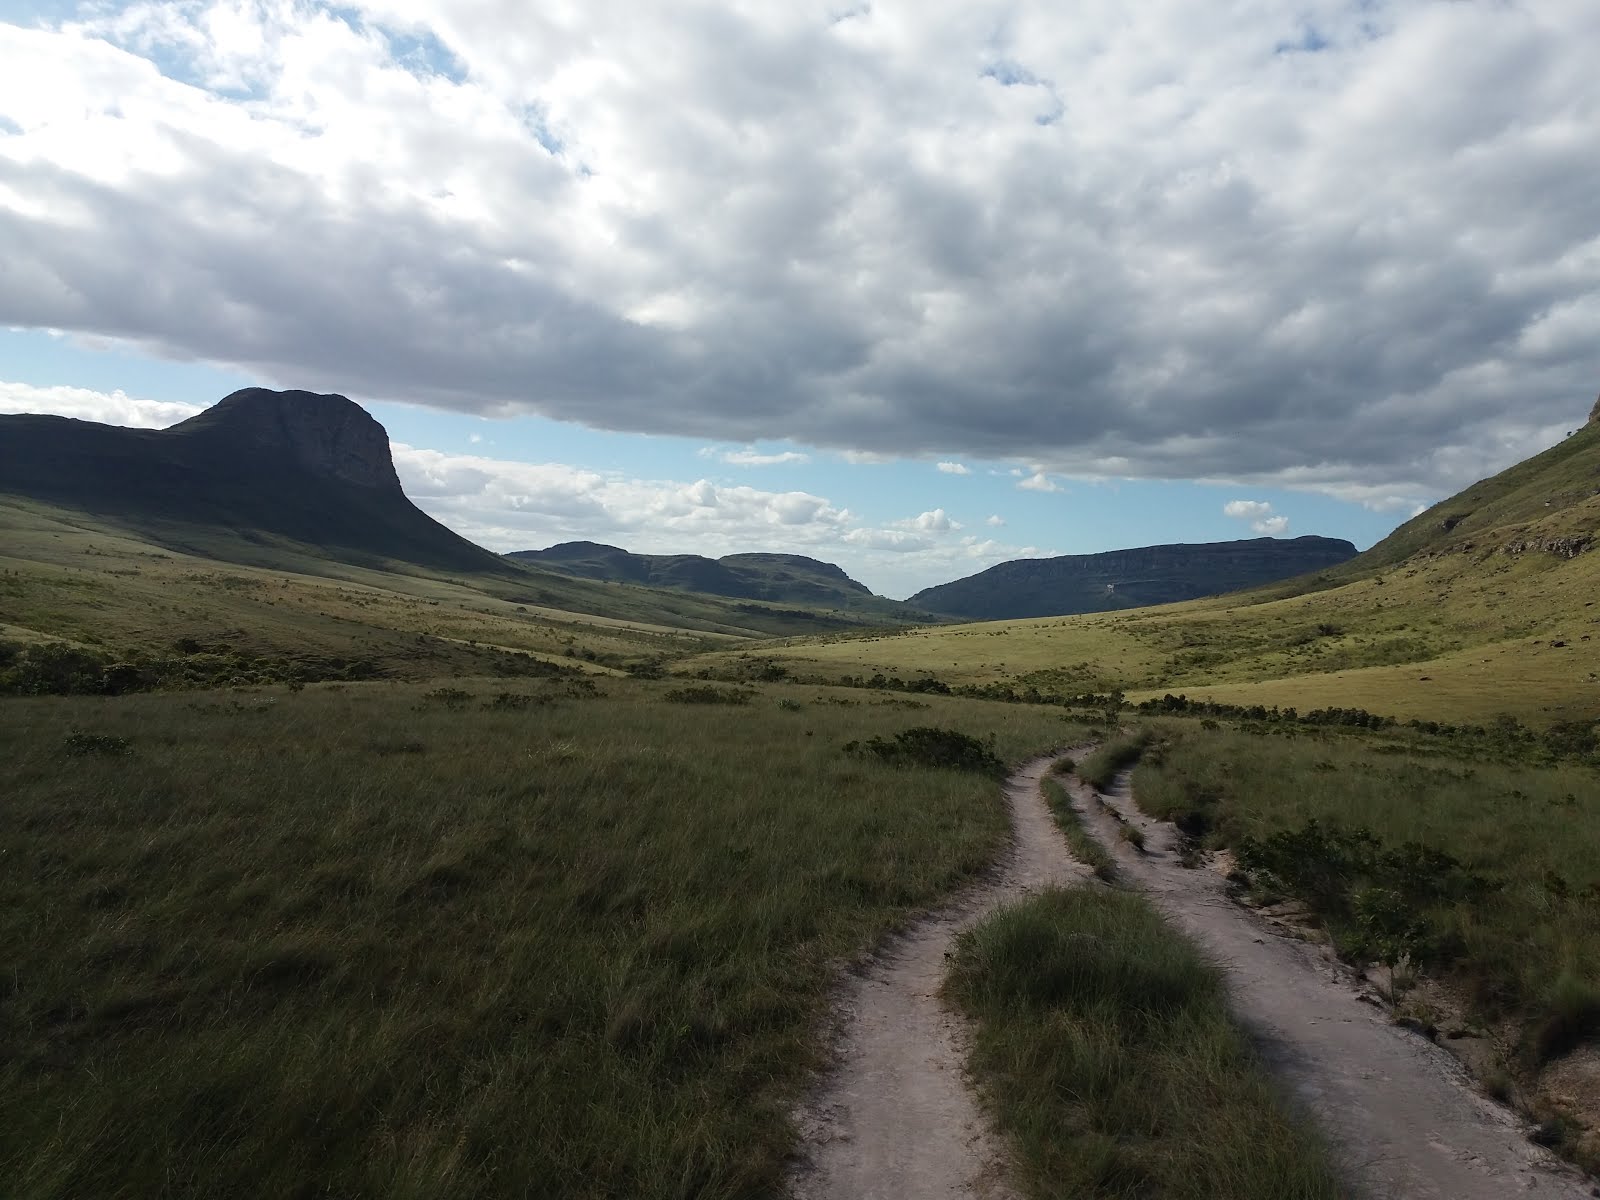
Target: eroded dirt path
point(1400, 1111)
point(895, 1119)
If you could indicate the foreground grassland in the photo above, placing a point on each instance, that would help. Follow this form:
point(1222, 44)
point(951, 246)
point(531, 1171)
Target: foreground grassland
point(1106, 1049)
point(1480, 871)
point(487, 939)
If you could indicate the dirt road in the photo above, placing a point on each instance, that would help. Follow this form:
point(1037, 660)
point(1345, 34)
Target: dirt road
point(1401, 1113)
point(896, 1120)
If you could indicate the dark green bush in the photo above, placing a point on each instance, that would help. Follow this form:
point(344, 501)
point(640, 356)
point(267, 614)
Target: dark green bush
point(927, 746)
point(706, 694)
point(78, 743)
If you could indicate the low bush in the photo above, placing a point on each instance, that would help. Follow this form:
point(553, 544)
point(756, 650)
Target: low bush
point(707, 694)
point(79, 743)
point(926, 746)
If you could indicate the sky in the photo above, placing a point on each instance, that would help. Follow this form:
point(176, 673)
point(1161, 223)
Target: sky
point(912, 287)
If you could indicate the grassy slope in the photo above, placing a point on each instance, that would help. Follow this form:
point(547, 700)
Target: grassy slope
point(65, 575)
point(362, 941)
point(1462, 630)
point(777, 579)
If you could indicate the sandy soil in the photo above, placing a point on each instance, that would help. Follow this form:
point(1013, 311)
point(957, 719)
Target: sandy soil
point(1399, 1110)
point(895, 1119)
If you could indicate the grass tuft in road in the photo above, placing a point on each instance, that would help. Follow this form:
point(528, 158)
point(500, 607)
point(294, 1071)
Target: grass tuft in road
point(1101, 767)
point(1085, 848)
point(1105, 1046)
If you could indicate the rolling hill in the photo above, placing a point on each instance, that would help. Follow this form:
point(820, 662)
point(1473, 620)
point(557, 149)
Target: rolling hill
point(791, 579)
point(1086, 583)
point(274, 523)
point(1488, 603)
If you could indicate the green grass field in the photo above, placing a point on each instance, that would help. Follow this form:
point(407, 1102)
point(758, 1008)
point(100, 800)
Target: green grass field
point(1458, 638)
point(475, 939)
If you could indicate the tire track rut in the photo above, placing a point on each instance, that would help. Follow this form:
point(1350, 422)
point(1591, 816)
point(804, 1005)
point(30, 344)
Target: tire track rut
point(895, 1118)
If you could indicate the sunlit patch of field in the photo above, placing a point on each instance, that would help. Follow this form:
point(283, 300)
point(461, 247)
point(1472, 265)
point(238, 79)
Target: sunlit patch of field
point(1461, 636)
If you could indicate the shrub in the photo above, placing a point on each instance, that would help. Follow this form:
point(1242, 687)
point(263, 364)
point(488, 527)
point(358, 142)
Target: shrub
point(448, 696)
point(1376, 901)
point(927, 746)
point(707, 694)
point(79, 743)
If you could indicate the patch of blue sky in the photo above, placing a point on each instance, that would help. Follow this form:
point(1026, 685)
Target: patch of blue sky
point(1311, 41)
point(1007, 73)
point(422, 53)
point(44, 359)
point(33, 13)
point(533, 118)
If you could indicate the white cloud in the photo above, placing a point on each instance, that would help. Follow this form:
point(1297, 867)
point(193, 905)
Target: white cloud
point(974, 228)
point(995, 521)
point(1246, 508)
point(110, 408)
point(752, 458)
point(934, 521)
point(865, 458)
point(1039, 482)
point(955, 468)
point(1259, 514)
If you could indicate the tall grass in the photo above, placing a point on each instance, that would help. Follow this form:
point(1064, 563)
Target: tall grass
point(1105, 1046)
point(1487, 871)
point(1100, 767)
point(391, 940)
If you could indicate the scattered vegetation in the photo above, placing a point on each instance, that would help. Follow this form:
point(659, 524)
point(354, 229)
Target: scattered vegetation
point(78, 743)
point(700, 694)
point(926, 746)
point(1105, 1047)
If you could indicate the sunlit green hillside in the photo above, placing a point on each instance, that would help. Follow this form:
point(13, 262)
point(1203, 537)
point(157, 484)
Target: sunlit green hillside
point(1488, 603)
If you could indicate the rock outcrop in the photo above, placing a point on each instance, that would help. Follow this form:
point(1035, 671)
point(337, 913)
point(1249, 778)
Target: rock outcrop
point(257, 469)
point(326, 434)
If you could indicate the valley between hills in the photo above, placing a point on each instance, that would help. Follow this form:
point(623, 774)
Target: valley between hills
point(348, 858)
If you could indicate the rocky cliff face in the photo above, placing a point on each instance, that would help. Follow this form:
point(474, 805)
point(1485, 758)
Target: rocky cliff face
point(259, 465)
point(326, 434)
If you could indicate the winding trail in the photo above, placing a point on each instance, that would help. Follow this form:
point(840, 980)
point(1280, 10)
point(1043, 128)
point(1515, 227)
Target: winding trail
point(895, 1119)
point(1400, 1112)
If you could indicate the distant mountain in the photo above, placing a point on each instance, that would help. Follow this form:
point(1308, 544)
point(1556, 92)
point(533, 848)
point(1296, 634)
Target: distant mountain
point(771, 578)
point(1083, 583)
point(258, 467)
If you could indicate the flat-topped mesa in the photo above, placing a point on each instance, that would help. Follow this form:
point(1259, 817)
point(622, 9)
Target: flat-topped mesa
point(326, 434)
